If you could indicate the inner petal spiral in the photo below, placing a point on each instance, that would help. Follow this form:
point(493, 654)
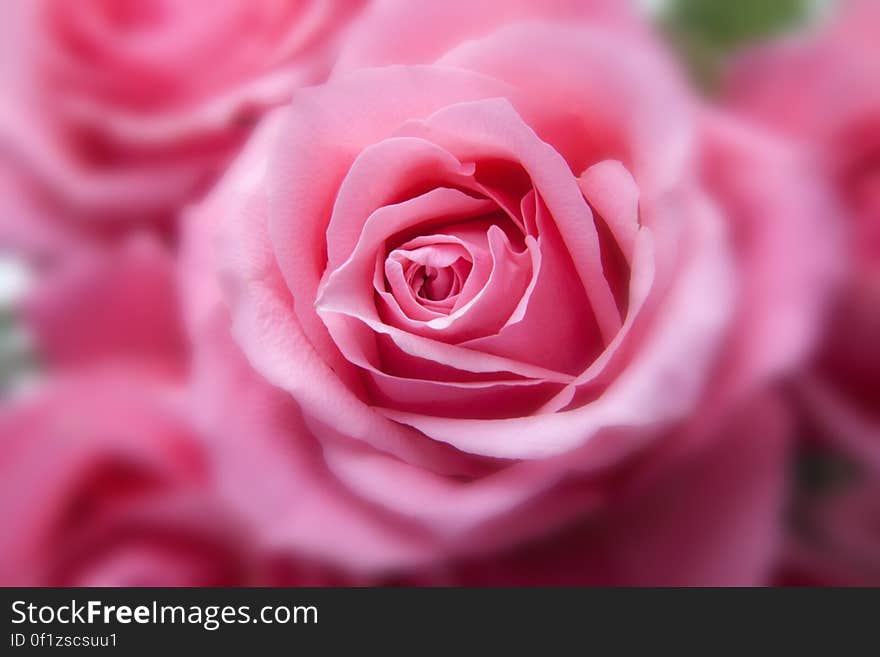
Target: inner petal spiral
point(431, 275)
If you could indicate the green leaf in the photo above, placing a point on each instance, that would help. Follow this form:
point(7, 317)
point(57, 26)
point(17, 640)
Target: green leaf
point(706, 31)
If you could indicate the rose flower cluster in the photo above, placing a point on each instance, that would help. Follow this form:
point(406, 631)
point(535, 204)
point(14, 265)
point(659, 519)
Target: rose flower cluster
point(406, 292)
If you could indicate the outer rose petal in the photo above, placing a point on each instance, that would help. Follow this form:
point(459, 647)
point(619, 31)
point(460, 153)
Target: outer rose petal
point(611, 106)
point(714, 520)
point(296, 506)
point(442, 25)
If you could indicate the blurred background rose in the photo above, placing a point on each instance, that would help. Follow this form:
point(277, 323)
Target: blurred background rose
point(118, 114)
point(823, 89)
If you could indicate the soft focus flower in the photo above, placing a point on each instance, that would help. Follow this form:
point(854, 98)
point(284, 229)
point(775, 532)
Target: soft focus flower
point(109, 306)
point(496, 285)
point(104, 484)
point(424, 30)
point(822, 89)
point(120, 109)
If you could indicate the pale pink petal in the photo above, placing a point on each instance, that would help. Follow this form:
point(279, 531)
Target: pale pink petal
point(386, 35)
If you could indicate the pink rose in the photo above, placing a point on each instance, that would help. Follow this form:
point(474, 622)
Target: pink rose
point(822, 89)
point(497, 286)
point(103, 484)
point(124, 108)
